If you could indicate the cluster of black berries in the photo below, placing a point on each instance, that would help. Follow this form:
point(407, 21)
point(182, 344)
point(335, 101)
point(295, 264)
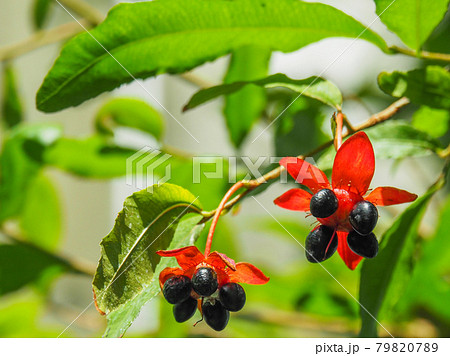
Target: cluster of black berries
point(321, 243)
point(216, 302)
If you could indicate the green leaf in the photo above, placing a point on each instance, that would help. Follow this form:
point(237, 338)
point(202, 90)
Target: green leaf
point(91, 157)
point(389, 272)
point(313, 87)
point(129, 112)
point(41, 11)
point(299, 129)
point(146, 224)
point(120, 319)
point(392, 140)
point(40, 219)
point(429, 86)
point(12, 111)
point(22, 264)
point(155, 37)
point(20, 162)
point(412, 20)
point(244, 107)
point(435, 122)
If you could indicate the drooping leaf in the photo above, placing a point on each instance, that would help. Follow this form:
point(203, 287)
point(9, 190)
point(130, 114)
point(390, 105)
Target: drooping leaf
point(21, 264)
point(128, 260)
point(392, 140)
point(92, 157)
point(12, 111)
point(389, 272)
point(313, 87)
point(150, 38)
point(412, 20)
point(120, 319)
point(129, 112)
point(20, 161)
point(299, 129)
point(244, 107)
point(41, 11)
point(431, 273)
point(429, 86)
point(40, 219)
point(434, 122)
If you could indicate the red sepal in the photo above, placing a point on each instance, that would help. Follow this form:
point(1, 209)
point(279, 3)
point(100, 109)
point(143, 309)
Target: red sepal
point(384, 196)
point(220, 260)
point(167, 273)
point(305, 173)
point(350, 258)
point(294, 199)
point(354, 164)
point(187, 257)
point(247, 273)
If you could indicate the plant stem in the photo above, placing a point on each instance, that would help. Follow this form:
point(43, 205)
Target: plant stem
point(85, 10)
point(42, 38)
point(422, 54)
point(374, 120)
point(339, 127)
point(218, 211)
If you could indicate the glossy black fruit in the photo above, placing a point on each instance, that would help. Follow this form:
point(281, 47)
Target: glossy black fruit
point(177, 289)
point(323, 204)
point(363, 245)
point(184, 310)
point(364, 217)
point(204, 281)
point(232, 296)
point(215, 315)
point(317, 243)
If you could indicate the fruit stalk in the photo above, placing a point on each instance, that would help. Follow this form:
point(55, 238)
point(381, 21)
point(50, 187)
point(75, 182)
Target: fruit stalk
point(219, 209)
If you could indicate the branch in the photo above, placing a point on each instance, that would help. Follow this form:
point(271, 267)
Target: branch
point(85, 10)
point(42, 38)
point(75, 265)
point(250, 185)
point(443, 57)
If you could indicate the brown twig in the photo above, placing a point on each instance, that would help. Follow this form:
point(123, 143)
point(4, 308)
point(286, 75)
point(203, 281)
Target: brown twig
point(374, 120)
point(42, 38)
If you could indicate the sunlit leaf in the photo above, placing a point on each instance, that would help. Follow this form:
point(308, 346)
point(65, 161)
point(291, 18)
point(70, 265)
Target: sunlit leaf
point(429, 86)
point(20, 161)
point(313, 87)
point(434, 122)
point(155, 37)
point(412, 20)
point(389, 272)
point(147, 223)
point(129, 112)
point(40, 219)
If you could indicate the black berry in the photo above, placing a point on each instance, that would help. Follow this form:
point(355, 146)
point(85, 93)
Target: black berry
point(184, 310)
point(232, 296)
point(317, 243)
point(323, 204)
point(204, 281)
point(364, 217)
point(216, 316)
point(363, 245)
point(177, 289)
